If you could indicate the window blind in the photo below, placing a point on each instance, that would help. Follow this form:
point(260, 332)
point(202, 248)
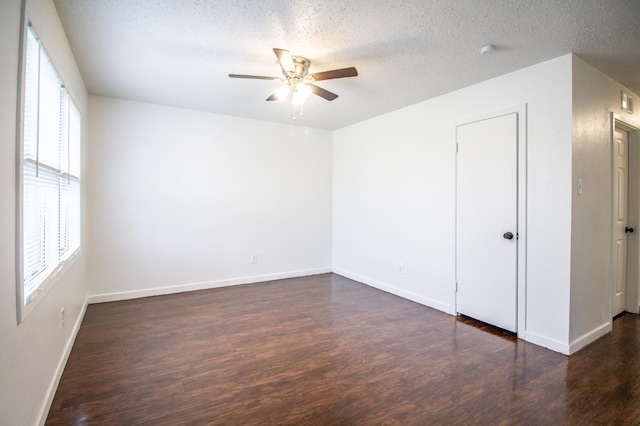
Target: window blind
point(50, 171)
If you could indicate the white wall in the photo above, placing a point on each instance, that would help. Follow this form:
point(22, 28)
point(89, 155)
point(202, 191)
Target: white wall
point(180, 200)
point(394, 195)
point(595, 96)
point(33, 353)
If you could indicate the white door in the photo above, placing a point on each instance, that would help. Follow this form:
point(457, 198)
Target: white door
point(486, 220)
point(620, 219)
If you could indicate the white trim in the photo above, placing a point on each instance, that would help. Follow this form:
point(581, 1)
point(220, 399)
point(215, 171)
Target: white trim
point(53, 386)
point(21, 312)
point(626, 122)
point(521, 291)
point(633, 127)
point(589, 337)
point(431, 303)
point(180, 288)
point(546, 342)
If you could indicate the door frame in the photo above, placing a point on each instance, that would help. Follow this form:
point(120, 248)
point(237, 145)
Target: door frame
point(627, 124)
point(521, 229)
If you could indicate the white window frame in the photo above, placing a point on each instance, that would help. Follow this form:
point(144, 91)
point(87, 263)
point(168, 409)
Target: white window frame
point(65, 178)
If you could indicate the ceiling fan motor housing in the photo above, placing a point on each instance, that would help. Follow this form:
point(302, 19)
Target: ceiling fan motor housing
point(301, 65)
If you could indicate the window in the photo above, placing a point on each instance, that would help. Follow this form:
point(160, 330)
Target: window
point(50, 155)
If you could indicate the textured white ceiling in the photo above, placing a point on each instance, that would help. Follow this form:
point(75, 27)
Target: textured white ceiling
point(179, 52)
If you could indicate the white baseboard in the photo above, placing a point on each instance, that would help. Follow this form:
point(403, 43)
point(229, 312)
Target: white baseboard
point(53, 386)
point(435, 304)
point(158, 291)
point(573, 346)
point(546, 342)
point(589, 337)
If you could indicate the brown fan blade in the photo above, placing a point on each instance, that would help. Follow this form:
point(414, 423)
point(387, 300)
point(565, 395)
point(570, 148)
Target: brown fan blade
point(273, 97)
point(284, 57)
point(255, 77)
point(322, 92)
point(341, 73)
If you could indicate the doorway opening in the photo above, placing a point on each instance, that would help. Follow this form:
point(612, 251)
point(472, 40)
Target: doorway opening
point(625, 248)
point(490, 218)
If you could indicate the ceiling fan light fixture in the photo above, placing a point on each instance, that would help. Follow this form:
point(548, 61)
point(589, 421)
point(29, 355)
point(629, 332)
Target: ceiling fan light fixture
point(282, 92)
point(300, 93)
point(303, 89)
point(298, 99)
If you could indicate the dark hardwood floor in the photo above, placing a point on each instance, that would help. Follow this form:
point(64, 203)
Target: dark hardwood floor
point(326, 350)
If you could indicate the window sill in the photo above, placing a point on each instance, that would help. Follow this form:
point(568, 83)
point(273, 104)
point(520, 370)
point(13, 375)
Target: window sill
point(24, 310)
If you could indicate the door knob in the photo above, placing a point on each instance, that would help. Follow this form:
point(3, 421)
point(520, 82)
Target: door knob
point(627, 229)
point(509, 236)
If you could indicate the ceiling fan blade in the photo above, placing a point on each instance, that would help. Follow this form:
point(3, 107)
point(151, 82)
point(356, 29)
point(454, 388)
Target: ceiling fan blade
point(322, 92)
point(273, 97)
point(284, 57)
point(255, 77)
point(341, 73)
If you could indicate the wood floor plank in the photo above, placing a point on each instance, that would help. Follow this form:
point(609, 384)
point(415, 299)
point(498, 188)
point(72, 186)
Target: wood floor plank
point(327, 350)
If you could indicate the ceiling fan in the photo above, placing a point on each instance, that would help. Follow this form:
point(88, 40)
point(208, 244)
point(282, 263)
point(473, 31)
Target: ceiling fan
point(298, 83)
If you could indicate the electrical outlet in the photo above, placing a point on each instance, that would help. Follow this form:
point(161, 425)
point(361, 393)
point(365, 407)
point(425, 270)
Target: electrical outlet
point(254, 258)
point(62, 317)
point(401, 268)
